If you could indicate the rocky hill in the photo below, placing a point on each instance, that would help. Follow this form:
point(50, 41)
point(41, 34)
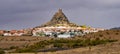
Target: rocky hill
point(59, 19)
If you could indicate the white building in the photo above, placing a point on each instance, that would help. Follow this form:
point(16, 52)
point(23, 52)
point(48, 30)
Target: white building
point(7, 34)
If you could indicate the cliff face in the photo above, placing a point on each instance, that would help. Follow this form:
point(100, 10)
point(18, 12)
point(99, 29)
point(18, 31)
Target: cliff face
point(59, 19)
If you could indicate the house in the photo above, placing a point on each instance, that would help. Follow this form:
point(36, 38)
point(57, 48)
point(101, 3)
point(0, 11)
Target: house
point(7, 34)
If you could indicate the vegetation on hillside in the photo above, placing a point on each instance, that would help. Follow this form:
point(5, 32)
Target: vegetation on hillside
point(88, 40)
point(63, 43)
point(2, 51)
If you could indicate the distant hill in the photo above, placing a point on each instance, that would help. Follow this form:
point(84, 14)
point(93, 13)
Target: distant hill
point(116, 28)
point(59, 19)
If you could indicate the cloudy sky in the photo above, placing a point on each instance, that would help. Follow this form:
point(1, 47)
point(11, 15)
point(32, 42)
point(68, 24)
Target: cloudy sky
point(20, 14)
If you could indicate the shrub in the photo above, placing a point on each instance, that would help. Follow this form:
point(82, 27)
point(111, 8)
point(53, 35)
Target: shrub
point(13, 47)
point(107, 33)
point(2, 51)
point(59, 45)
point(24, 50)
point(100, 35)
point(22, 39)
point(1, 34)
point(117, 33)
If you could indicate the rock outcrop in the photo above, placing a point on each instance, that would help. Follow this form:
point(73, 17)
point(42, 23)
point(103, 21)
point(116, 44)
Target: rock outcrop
point(59, 19)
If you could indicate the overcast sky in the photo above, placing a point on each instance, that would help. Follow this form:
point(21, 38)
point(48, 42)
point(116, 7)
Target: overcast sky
point(20, 14)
